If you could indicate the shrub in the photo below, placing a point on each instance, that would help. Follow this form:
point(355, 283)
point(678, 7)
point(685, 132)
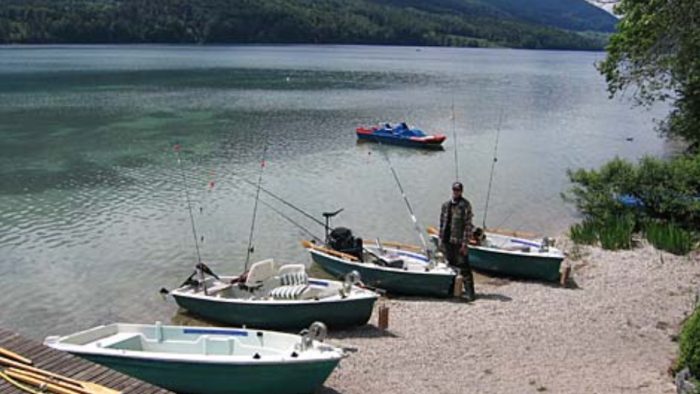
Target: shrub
point(666, 194)
point(615, 232)
point(584, 233)
point(669, 189)
point(669, 237)
point(690, 344)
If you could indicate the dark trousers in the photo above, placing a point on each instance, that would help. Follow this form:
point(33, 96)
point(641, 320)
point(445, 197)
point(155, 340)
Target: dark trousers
point(457, 260)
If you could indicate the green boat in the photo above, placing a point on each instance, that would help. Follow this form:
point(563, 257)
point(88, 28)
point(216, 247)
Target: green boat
point(506, 255)
point(394, 269)
point(277, 297)
point(206, 360)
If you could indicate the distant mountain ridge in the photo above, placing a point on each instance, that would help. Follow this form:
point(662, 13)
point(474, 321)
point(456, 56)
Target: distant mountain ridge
point(552, 24)
point(577, 15)
point(607, 5)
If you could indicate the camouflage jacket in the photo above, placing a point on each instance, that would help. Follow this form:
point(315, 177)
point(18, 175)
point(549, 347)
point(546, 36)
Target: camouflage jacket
point(459, 222)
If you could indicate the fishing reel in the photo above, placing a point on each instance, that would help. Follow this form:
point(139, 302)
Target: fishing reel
point(351, 278)
point(547, 242)
point(317, 331)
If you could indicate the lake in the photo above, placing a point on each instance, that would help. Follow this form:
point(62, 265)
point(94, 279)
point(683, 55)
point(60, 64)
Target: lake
point(93, 210)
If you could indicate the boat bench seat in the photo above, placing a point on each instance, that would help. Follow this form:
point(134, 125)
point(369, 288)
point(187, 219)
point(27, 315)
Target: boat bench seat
point(292, 292)
point(123, 341)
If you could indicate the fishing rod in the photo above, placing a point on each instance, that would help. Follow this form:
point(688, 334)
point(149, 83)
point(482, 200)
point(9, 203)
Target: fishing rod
point(280, 213)
point(200, 266)
point(493, 166)
point(454, 136)
point(408, 203)
point(255, 209)
point(285, 202)
point(292, 221)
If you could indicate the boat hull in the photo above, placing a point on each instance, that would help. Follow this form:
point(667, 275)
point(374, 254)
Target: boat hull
point(544, 268)
point(393, 281)
point(211, 378)
point(281, 316)
point(430, 144)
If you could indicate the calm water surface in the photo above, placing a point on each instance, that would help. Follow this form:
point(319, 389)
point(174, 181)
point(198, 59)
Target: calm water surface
point(93, 218)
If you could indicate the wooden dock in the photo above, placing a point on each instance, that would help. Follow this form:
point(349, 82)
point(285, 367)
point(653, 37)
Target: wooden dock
point(70, 366)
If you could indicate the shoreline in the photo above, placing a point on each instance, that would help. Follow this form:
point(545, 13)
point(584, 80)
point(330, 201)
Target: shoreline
point(614, 330)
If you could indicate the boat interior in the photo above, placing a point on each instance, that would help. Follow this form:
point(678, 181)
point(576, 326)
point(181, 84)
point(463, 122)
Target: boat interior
point(266, 280)
point(186, 340)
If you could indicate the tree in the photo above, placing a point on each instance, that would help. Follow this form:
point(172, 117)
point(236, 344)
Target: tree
point(657, 50)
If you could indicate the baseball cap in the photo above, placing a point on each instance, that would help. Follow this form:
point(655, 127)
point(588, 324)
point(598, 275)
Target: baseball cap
point(457, 186)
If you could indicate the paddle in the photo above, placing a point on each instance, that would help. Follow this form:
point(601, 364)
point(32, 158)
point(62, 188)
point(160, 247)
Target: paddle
point(92, 388)
point(308, 245)
point(6, 353)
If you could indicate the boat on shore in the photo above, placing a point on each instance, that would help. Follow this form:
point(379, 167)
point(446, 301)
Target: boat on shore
point(277, 297)
point(208, 360)
point(507, 255)
point(402, 135)
point(387, 266)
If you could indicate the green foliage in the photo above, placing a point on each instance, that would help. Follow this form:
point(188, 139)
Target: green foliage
point(656, 50)
point(690, 344)
point(584, 233)
point(668, 189)
point(615, 232)
point(402, 22)
point(669, 237)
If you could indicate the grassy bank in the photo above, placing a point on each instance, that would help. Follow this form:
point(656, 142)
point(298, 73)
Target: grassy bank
point(655, 199)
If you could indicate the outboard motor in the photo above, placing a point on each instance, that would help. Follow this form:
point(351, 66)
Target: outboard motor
point(342, 240)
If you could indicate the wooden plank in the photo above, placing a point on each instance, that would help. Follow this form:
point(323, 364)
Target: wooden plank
point(69, 366)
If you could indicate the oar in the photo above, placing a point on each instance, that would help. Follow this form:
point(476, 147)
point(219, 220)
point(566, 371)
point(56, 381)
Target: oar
point(13, 382)
point(308, 245)
point(66, 383)
point(54, 387)
point(6, 353)
point(399, 245)
point(86, 385)
point(511, 233)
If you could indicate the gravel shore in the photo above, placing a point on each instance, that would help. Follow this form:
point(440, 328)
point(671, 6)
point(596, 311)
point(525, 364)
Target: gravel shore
point(613, 331)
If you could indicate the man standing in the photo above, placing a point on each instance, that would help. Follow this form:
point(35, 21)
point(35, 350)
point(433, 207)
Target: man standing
point(455, 232)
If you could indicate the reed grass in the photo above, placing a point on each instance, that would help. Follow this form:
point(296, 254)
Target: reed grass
point(669, 237)
point(584, 233)
point(615, 232)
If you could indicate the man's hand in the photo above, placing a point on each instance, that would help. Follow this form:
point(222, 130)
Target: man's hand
point(463, 249)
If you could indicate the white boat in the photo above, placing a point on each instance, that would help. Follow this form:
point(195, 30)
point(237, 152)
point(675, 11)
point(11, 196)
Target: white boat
point(510, 255)
point(396, 268)
point(209, 360)
point(278, 297)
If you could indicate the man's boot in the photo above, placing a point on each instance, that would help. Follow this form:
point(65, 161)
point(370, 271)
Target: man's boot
point(469, 293)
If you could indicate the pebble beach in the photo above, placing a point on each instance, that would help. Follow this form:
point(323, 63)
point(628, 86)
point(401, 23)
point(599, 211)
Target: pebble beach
point(612, 330)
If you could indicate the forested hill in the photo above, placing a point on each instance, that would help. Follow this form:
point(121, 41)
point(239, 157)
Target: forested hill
point(553, 24)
